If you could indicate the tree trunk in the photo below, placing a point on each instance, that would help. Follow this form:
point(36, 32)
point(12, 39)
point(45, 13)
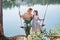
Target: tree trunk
point(2, 37)
point(27, 38)
point(1, 17)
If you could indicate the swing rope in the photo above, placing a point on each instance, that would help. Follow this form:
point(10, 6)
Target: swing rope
point(45, 13)
point(18, 4)
point(20, 17)
point(44, 18)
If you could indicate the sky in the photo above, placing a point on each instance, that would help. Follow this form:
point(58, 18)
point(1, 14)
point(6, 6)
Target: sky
point(12, 21)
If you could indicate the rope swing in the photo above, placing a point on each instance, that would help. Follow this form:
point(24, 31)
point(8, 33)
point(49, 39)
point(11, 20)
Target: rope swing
point(45, 13)
point(27, 28)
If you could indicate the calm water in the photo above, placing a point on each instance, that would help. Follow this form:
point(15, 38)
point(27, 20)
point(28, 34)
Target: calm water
point(12, 22)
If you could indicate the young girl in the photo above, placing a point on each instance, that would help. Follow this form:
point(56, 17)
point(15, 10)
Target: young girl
point(35, 24)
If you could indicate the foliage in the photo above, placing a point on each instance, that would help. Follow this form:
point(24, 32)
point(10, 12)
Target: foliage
point(12, 3)
point(55, 31)
point(45, 35)
point(37, 36)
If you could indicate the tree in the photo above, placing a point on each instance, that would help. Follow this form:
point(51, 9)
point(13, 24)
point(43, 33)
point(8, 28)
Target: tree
point(12, 3)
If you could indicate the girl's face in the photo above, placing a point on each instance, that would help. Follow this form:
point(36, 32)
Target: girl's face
point(34, 13)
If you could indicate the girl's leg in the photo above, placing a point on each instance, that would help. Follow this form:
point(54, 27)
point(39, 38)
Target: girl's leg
point(40, 29)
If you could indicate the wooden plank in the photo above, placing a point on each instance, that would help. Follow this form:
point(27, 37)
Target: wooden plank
point(55, 36)
point(17, 37)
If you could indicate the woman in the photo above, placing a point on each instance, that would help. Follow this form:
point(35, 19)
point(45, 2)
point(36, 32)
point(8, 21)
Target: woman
point(27, 17)
point(35, 22)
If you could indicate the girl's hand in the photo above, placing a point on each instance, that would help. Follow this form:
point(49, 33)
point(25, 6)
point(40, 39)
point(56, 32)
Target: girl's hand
point(37, 19)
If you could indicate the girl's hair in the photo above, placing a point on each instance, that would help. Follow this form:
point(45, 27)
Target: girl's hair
point(29, 9)
point(36, 12)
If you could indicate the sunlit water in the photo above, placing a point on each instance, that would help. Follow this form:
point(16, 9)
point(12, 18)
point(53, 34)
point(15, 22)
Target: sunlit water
point(12, 22)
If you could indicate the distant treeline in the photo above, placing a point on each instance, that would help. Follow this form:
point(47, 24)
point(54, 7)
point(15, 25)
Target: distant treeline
point(43, 2)
point(12, 3)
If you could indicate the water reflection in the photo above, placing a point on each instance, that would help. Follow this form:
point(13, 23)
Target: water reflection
point(13, 3)
point(11, 20)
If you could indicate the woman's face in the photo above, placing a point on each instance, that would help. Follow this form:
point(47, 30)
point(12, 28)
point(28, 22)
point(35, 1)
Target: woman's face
point(30, 12)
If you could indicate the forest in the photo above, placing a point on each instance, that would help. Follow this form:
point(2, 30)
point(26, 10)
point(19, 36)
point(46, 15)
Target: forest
point(13, 3)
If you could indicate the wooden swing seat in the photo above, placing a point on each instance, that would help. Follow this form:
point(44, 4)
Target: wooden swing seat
point(42, 25)
point(22, 27)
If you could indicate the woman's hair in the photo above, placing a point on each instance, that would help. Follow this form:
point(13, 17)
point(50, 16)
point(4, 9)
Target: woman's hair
point(36, 12)
point(29, 9)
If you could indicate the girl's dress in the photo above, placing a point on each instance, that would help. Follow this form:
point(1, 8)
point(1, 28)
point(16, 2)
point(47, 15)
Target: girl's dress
point(36, 24)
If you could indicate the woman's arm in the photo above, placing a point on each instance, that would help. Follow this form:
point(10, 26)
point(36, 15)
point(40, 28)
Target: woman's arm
point(32, 17)
point(22, 16)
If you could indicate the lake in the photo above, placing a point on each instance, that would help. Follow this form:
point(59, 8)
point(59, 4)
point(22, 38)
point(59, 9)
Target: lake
point(12, 22)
